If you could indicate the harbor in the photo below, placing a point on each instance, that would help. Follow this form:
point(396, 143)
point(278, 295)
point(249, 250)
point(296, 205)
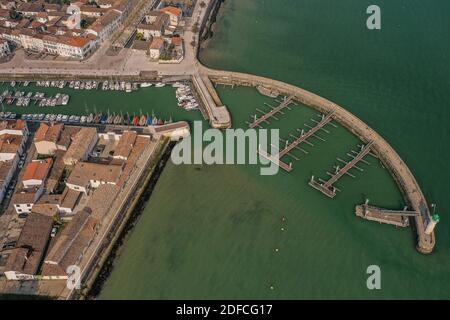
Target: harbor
point(94, 105)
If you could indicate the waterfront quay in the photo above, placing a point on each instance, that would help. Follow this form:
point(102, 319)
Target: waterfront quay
point(73, 193)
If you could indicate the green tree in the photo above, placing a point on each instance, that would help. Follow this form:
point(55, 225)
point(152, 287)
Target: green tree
point(139, 36)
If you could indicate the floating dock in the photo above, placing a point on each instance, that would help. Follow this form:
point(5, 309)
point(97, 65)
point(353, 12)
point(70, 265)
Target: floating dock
point(326, 187)
point(276, 158)
point(264, 118)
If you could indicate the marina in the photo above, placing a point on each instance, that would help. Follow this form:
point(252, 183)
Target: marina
point(87, 106)
point(23, 99)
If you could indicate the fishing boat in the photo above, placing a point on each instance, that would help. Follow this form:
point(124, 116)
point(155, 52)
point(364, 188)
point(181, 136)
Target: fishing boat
point(159, 85)
point(143, 120)
point(146, 84)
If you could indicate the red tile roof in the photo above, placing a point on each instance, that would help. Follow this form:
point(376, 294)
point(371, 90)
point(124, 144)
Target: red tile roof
point(37, 169)
point(172, 10)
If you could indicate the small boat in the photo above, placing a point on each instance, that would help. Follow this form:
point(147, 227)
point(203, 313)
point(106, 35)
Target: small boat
point(83, 119)
point(126, 119)
point(143, 120)
point(65, 118)
point(110, 119)
point(117, 119)
point(65, 100)
point(90, 118)
point(155, 120)
point(103, 119)
point(160, 122)
point(97, 118)
point(159, 85)
point(128, 87)
point(146, 84)
point(149, 120)
point(135, 121)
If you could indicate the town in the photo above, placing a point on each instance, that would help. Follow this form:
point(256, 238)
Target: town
point(48, 30)
point(62, 188)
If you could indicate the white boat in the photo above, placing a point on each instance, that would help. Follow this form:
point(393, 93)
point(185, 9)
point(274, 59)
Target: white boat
point(146, 84)
point(65, 100)
point(160, 85)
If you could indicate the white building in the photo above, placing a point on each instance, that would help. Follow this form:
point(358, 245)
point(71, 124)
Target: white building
point(105, 25)
point(23, 201)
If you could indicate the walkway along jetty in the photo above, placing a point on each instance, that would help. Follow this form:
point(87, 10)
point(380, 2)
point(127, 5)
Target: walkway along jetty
point(424, 224)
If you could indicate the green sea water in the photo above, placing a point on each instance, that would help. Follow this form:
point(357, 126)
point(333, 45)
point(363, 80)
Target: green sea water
point(213, 231)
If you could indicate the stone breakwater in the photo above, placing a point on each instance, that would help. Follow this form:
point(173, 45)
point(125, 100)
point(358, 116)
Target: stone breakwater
point(389, 157)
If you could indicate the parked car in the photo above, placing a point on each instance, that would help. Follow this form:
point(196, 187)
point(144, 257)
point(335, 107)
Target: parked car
point(54, 231)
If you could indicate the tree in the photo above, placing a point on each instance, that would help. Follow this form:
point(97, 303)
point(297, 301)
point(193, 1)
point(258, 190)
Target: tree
point(139, 36)
point(83, 23)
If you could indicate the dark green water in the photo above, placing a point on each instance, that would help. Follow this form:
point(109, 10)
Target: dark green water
point(212, 231)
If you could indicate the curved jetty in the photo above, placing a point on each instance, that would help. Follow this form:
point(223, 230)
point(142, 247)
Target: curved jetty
point(389, 157)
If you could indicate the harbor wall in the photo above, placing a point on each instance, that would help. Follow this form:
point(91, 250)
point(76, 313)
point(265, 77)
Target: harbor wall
point(388, 156)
